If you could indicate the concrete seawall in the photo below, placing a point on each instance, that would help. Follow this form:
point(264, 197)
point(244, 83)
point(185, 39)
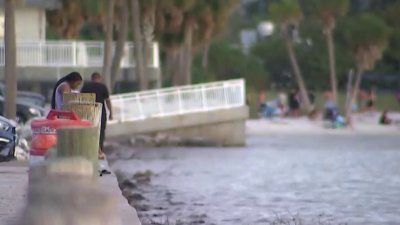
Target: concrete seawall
point(14, 187)
point(225, 127)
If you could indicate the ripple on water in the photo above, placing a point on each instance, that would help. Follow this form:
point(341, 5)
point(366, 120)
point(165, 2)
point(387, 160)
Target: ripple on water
point(351, 179)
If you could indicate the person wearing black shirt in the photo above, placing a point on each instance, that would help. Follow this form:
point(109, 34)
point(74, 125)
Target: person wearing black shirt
point(102, 96)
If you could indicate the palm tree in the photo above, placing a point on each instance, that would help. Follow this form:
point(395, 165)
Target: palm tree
point(182, 26)
point(202, 20)
point(138, 48)
point(212, 22)
point(10, 60)
point(148, 21)
point(327, 12)
point(170, 17)
point(367, 36)
point(108, 43)
point(189, 9)
point(123, 25)
point(287, 14)
point(68, 20)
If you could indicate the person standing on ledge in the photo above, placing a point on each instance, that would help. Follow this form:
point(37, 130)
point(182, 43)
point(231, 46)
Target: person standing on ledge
point(102, 96)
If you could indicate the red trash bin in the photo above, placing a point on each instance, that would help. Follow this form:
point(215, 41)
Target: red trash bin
point(44, 134)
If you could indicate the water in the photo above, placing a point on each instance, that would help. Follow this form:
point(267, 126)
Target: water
point(346, 179)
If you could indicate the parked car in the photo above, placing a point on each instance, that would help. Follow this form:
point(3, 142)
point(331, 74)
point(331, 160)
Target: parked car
point(25, 111)
point(26, 96)
point(8, 139)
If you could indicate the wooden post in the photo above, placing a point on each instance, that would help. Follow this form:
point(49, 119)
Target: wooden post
point(79, 142)
point(86, 110)
point(79, 97)
point(85, 107)
point(62, 192)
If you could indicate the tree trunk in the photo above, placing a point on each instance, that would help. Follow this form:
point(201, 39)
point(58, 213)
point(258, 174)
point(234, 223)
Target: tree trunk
point(138, 41)
point(297, 74)
point(171, 64)
point(187, 55)
point(204, 61)
point(146, 57)
point(177, 77)
point(353, 96)
point(10, 68)
point(332, 64)
point(120, 46)
point(148, 25)
point(108, 44)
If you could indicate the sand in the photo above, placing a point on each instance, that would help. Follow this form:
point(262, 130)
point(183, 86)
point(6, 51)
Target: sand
point(365, 123)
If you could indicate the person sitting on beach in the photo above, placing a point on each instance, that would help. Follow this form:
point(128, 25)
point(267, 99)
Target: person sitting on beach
point(330, 109)
point(370, 100)
point(262, 96)
point(294, 103)
point(384, 119)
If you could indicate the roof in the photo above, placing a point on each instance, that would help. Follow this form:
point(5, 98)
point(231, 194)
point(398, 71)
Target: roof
point(46, 4)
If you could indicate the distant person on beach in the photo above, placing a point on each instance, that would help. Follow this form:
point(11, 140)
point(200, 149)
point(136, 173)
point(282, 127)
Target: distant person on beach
point(67, 84)
point(330, 108)
point(102, 96)
point(384, 119)
point(281, 104)
point(370, 100)
point(262, 105)
point(294, 103)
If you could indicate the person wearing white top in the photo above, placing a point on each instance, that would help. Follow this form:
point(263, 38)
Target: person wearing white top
point(67, 84)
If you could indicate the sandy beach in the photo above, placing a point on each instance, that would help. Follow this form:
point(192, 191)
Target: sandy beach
point(366, 123)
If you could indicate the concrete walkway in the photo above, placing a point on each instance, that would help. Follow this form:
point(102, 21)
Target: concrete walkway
point(13, 186)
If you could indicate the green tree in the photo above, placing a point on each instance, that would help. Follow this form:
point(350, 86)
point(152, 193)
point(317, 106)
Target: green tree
point(71, 17)
point(391, 15)
point(287, 14)
point(326, 12)
point(148, 23)
point(240, 66)
point(212, 22)
point(273, 53)
point(122, 33)
point(367, 36)
point(10, 70)
point(108, 43)
point(182, 26)
point(138, 48)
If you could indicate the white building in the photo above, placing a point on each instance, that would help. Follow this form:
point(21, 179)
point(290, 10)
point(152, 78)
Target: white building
point(30, 19)
point(40, 62)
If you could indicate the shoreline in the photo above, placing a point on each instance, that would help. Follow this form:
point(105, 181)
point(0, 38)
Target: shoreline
point(364, 124)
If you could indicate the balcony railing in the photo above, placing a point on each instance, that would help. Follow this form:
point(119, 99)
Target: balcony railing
point(178, 100)
point(72, 54)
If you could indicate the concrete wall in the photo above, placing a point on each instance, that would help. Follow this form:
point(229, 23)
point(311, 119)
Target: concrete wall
point(226, 126)
point(30, 23)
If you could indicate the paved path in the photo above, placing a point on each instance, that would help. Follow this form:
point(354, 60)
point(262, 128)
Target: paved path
point(13, 185)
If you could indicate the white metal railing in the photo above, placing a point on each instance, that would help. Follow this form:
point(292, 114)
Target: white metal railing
point(178, 100)
point(71, 54)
